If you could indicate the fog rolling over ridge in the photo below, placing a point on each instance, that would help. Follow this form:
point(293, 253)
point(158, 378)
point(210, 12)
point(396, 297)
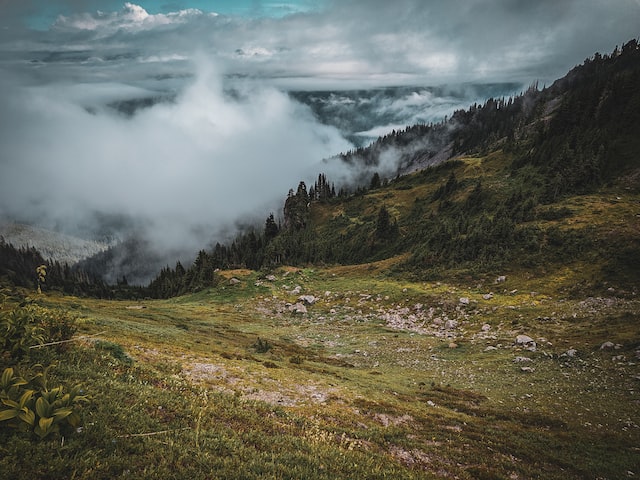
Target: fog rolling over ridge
point(174, 124)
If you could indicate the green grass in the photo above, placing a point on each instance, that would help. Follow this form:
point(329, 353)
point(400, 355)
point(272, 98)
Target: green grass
point(179, 390)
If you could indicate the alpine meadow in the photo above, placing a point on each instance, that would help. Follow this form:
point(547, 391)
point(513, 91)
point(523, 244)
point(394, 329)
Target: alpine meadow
point(449, 288)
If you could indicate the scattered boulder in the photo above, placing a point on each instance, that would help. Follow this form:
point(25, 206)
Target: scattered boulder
point(453, 345)
point(308, 299)
point(450, 324)
point(271, 278)
point(501, 279)
point(527, 369)
point(487, 296)
point(527, 342)
point(486, 327)
point(522, 360)
point(607, 346)
point(234, 281)
point(464, 300)
point(490, 348)
point(570, 353)
point(298, 308)
point(524, 340)
point(296, 290)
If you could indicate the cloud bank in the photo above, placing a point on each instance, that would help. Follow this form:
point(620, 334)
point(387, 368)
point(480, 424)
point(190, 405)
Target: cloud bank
point(183, 168)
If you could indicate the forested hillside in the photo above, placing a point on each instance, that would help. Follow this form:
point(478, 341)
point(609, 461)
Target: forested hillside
point(513, 182)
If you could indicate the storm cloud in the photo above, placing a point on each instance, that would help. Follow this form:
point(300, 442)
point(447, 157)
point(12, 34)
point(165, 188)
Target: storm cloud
point(179, 119)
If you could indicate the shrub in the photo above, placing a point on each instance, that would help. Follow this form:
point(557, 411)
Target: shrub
point(262, 346)
point(19, 330)
point(57, 326)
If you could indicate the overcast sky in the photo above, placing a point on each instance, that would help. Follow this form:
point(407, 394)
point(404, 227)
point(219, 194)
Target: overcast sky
point(207, 158)
point(363, 41)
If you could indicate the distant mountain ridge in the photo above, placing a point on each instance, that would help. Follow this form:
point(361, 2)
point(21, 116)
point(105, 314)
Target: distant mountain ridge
point(55, 246)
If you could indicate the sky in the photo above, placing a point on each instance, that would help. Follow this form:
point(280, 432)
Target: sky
point(227, 141)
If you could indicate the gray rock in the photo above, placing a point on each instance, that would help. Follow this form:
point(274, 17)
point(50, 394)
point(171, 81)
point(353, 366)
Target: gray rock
point(486, 327)
point(527, 342)
point(308, 299)
point(522, 360)
point(464, 300)
point(298, 308)
point(234, 281)
point(501, 279)
point(271, 278)
point(607, 346)
point(450, 324)
point(487, 296)
point(570, 353)
point(524, 340)
point(490, 348)
point(527, 369)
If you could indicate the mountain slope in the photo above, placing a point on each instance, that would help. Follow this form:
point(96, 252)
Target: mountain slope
point(522, 177)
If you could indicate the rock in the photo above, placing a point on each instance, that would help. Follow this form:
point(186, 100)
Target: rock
point(527, 369)
point(234, 281)
point(450, 324)
point(487, 296)
point(501, 279)
point(308, 299)
point(570, 353)
point(490, 348)
point(486, 327)
point(298, 308)
point(296, 290)
point(271, 278)
point(607, 345)
point(524, 340)
point(464, 300)
point(453, 345)
point(522, 360)
point(527, 342)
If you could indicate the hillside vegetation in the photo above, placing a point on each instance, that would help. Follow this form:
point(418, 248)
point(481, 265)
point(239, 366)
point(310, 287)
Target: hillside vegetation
point(477, 319)
point(545, 180)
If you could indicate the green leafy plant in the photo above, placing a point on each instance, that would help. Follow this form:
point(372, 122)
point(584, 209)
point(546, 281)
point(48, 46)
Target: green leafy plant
point(30, 405)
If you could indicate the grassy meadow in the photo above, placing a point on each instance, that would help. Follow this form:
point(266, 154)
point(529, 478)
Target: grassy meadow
point(380, 378)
